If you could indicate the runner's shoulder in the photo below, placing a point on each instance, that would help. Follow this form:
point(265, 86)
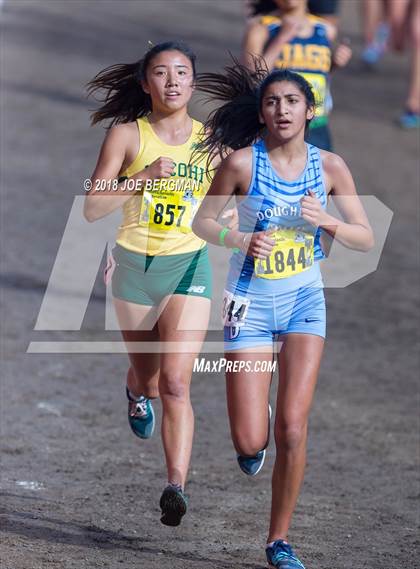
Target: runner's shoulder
point(257, 26)
point(123, 135)
point(335, 169)
point(331, 162)
point(330, 29)
point(240, 160)
point(125, 130)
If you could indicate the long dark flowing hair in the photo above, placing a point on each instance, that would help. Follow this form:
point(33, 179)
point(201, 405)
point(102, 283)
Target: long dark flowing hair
point(124, 99)
point(236, 124)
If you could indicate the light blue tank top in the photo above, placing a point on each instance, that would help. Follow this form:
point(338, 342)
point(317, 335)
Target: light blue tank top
point(274, 202)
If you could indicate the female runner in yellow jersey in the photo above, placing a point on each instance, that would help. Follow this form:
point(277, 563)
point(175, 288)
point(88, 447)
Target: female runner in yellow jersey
point(162, 281)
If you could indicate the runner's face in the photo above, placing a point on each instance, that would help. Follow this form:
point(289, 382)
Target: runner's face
point(169, 81)
point(287, 5)
point(284, 110)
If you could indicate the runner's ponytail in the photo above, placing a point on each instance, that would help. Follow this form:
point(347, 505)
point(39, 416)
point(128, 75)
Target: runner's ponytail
point(236, 123)
point(124, 99)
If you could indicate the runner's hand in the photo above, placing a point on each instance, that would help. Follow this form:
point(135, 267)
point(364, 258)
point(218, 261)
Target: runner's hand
point(234, 218)
point(342, 55)
point(312, 210)
point(162, 167)
point(258, 245)
point(290, 28)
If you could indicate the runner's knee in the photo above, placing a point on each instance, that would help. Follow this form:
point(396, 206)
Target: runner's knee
point(290, 436)
point(248, 445)
point(173, 386)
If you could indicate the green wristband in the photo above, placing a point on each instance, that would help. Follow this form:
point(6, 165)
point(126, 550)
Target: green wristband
point(222, 236)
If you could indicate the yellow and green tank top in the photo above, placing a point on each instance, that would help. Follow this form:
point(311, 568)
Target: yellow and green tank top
point(310, 57)
point(157, 219)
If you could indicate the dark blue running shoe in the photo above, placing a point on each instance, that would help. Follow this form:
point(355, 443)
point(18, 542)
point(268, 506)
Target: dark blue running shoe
point(173, 504)
point(251, 465)
point(141, 416)
point(281, 556)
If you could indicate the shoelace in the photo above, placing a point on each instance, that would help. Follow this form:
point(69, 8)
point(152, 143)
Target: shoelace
point(141, 407)
point(282, 547)
point(284, 551)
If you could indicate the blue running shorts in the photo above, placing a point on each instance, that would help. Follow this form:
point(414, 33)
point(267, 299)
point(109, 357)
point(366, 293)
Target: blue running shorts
point(257, 310)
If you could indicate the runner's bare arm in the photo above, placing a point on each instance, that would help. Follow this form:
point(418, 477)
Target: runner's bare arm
point(111, 161)
point(331, 31)
point(342, 52)
point(111, 158)
point(355, 231)
point(290, 28)
point(231, 213)
point(233, 176)
point(228, 179)
point(254, 41)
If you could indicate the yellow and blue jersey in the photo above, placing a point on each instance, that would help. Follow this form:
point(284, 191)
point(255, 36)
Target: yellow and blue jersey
point(310, 57)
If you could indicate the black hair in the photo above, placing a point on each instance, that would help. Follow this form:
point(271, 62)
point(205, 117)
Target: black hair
point(257, 7)
point(124, 99)
point(236, 124)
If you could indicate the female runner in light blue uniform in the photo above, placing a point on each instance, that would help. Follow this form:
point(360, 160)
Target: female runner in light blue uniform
point(297, 305)
point(274, 288)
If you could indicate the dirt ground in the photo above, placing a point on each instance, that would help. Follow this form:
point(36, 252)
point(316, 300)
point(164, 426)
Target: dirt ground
point(78, 490)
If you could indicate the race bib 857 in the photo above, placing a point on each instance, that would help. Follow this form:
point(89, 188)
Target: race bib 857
point(167, 210)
